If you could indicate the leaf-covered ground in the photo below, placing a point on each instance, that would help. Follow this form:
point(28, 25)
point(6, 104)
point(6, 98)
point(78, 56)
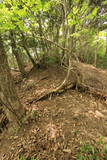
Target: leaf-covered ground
point(59, 124)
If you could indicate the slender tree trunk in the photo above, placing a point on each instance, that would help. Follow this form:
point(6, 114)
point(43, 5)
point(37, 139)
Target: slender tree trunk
point(65, 28)
point(71, 40)
point(29, 55)
point(106, 45)
point(17, 55)
point(26, 49)
point(96, 50)
point(43, 43)
point(8, 96)
point(56, 39)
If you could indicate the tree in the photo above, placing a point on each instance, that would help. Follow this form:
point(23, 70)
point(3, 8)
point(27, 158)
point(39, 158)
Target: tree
point(16, 54)
point(8, 96)
point(57, 27)
point(24, 45)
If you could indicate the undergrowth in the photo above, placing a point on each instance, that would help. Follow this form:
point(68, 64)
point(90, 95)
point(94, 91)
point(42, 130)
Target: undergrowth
point(93, 152)
point(22, 158)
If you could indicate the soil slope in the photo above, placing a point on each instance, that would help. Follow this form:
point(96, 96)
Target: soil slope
point(59, 124)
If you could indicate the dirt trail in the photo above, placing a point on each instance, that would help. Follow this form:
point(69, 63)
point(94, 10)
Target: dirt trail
point(60, 124)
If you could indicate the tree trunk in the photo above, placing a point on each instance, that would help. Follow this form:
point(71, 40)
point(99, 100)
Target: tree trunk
point(26, 49)
point(17, 55)
point(8, 96)
point(106, 45)
point(41, 33)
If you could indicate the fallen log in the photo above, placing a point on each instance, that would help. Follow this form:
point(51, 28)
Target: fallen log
point(51, 92)
point(84, 76)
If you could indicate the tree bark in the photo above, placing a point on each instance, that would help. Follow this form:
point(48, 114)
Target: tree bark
point(8, 96)
point(26, 49)
point(106, 45)
point(17, 55)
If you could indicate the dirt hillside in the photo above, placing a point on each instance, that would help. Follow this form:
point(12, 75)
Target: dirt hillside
point(60, 124)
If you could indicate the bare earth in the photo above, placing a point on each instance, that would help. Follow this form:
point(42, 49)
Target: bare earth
point(59, 124)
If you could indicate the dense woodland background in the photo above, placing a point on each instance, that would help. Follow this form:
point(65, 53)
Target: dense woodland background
point(41, 33)
point(47, 31)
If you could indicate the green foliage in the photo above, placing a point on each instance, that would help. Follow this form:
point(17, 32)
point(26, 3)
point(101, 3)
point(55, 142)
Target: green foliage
point(51, 60)
point(22, 158)
point(88, 152)
point(54, 20)
point(102, 62)
point(91, 152)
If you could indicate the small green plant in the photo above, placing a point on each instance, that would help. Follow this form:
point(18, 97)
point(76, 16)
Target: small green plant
point(22, 158)
point(91, 152)
point(88, 152)
point(51, 60)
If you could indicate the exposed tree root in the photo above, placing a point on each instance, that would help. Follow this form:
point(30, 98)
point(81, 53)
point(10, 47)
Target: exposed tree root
point(82, 87)
point(81, 76)
point(58, 90)
point(3, 120)
point(95, 92)
point(52, 92)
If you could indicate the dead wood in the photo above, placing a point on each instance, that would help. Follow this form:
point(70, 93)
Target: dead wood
point(58, 90)
point(87, 77)
point(3, 120)
point(51, 92)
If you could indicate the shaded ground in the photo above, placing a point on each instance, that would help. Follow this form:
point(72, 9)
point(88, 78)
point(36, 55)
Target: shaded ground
point(59, 124)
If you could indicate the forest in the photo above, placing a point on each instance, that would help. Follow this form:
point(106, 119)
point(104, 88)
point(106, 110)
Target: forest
point(53, 79)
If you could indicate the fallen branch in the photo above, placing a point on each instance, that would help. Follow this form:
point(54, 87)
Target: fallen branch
point(81, 87)
point(51, 92)
point(58, 90)
point(81, 76)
